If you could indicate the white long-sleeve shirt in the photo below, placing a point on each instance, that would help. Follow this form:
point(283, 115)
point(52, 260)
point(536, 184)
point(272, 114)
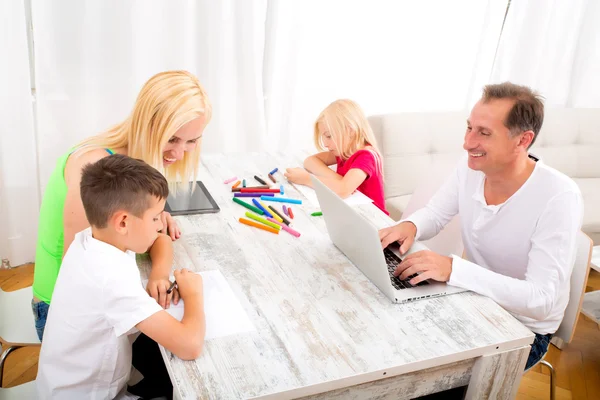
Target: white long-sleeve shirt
point(520, 252)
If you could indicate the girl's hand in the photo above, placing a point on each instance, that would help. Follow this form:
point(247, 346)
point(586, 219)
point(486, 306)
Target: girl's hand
point(297, 175)
point(170, 226)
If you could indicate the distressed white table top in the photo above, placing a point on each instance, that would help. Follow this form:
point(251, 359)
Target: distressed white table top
point(320, 324)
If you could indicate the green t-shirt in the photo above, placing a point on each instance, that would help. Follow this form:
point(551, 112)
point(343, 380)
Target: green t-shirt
point(51, 232)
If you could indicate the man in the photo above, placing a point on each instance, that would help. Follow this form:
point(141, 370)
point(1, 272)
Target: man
point(519, 217)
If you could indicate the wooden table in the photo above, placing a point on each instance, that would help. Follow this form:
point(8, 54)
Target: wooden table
point(323, 330)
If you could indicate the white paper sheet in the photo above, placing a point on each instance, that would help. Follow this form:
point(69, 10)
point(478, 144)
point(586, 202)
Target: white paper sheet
point(358, 198)
point(355, 199)
point(223, 313)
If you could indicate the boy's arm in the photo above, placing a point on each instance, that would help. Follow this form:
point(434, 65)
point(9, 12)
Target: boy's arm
point(185, 339)
point(161, 254)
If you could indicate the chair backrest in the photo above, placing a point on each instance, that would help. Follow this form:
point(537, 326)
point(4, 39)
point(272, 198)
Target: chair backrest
point(17, 325)
point(20, 392)
point(579, 276)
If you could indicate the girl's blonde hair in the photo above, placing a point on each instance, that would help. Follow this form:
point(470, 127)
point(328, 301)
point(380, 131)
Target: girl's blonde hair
point(167, 101)
point(349, 129)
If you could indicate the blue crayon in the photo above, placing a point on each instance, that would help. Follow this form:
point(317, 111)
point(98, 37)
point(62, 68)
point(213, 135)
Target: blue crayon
point(261, 208)
point(275, 170)
point(280, 200)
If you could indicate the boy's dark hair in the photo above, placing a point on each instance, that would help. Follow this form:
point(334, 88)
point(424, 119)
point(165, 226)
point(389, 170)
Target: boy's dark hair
point(118, 182)
point(526, 114)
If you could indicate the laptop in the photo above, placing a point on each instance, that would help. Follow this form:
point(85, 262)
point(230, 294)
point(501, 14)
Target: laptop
point(358, 239)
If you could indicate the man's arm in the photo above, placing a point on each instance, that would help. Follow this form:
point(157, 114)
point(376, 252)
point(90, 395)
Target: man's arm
point(440, 209)
point(549, 266)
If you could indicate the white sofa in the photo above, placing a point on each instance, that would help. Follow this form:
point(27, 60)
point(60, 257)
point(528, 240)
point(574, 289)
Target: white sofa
point(421, 149)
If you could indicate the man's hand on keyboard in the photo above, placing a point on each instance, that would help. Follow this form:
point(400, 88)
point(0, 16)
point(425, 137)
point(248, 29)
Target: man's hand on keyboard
point(403, 233)
point(427, 264)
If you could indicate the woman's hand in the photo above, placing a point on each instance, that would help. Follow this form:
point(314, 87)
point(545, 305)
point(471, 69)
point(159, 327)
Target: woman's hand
point(170, 226)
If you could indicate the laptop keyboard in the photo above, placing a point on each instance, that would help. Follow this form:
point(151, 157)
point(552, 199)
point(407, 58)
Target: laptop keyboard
point(392, 261)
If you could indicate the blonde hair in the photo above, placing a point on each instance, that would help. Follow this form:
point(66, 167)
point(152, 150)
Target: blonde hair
point(349, 130)
point(167, 101)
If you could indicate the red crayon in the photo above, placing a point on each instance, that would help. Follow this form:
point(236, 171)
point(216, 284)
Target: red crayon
point(252, 190)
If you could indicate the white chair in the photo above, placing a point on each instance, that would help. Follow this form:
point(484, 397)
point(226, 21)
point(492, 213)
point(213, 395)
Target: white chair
point(17, 326)
point(21, 392)
point(579, 276)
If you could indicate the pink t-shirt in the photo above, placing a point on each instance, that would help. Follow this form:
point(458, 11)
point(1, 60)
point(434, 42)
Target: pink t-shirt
point(369, 162)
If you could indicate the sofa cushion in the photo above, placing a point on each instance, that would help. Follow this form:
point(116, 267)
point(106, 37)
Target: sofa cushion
point(396, 206)
point(570, 141)
point(412, 143)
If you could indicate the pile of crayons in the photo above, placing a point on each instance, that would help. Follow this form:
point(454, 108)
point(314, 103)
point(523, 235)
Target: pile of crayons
point(262, 216)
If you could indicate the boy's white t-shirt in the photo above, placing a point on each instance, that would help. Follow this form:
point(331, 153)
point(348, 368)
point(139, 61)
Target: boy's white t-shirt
point(97, 301)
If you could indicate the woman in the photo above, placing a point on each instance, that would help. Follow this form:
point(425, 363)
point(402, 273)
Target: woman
point(164, 129)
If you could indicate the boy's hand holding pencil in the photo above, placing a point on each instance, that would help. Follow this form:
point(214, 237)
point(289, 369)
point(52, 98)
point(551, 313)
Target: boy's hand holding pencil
point(158, 288)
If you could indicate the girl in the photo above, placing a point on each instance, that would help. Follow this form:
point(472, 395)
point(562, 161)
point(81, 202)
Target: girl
point(164, 129)
point(346, 139)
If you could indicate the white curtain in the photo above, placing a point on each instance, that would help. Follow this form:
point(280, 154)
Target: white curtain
point(388, 55)
point(19, 193)
point(554, 47)
point(269, 67)
point(92, 58)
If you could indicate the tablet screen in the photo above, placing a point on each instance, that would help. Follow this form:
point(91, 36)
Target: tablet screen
point(184, 201)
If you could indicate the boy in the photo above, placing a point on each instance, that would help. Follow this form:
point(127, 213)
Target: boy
point(99, 300)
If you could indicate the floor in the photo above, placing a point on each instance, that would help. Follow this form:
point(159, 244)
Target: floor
point(577, 366)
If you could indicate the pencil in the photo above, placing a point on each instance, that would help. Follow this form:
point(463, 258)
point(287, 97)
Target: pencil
point(170, 289)
point(281, 200)
point(245, 194)
point(248, 206)
point(260, 207)
point(262, 220)
point(275, 214)
point(259, 226)
point(239, 189)
point(286, 228)
point(257, 190)
point(280, 215)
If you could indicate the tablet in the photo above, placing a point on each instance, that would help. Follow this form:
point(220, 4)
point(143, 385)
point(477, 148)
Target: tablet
point(184, 202)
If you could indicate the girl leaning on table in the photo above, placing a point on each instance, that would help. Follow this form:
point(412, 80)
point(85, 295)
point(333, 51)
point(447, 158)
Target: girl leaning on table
point(345, 138)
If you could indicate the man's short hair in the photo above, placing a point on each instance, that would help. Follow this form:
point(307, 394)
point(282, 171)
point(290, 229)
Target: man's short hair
point(526, 114)
point(118, 182)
